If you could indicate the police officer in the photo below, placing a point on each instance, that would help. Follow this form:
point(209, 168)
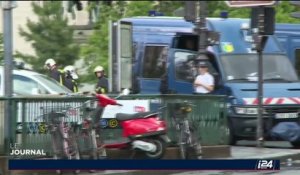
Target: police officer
point(102, 84)
point(55, 73)
point(71, 78)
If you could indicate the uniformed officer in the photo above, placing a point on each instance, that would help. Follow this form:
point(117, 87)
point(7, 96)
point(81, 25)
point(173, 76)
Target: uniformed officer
point(102, 84)
point(71, 78)
point(55, 73)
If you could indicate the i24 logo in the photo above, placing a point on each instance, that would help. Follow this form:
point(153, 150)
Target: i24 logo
point(265, 164)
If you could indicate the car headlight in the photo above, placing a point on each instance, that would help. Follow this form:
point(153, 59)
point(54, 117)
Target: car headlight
point(242, 110)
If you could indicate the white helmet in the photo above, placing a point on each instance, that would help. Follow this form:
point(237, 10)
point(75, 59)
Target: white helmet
point(50, 62)
point(71, 70)
point(98, 69)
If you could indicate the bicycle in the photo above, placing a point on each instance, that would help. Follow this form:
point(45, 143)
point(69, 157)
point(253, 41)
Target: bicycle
point(91, 135)
point(189, 144)
point(63, 139)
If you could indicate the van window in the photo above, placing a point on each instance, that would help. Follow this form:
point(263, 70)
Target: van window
point(155, 59)
point(185, 66)
point(297, 60)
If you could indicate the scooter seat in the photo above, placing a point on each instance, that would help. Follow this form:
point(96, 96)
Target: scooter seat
point(123, 116)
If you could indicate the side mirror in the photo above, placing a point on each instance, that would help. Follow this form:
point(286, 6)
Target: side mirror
point(35, 91)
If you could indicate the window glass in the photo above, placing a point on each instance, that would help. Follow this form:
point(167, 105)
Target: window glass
point(125, 47)
point(155, 59)
point(52, 84)
point(184, 66)
point(244, 67)
point(23, 85)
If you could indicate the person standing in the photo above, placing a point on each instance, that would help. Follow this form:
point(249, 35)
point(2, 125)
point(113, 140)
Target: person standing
point(102, 84)
point(55, 73)
point(204, 82)
point(71, 78)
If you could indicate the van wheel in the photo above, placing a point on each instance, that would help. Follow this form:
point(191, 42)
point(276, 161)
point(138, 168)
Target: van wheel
point(296, 144)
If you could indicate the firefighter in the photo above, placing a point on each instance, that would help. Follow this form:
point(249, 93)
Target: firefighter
point(71, 78)
point(102, 84)
point(55, 73)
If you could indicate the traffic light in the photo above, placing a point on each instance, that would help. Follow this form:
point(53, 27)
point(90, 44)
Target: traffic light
point(263, 18)
point(297, 4)
point(190, 11)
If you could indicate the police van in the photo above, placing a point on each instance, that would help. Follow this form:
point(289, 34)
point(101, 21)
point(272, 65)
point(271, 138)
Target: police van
point(145, 49)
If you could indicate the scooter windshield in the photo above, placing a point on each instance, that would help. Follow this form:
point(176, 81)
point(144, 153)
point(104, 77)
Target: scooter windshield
point(104, 100)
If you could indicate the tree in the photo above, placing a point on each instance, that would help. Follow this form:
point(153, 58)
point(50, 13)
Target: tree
point(50, 36)
point(96, 50)
point(1, 48)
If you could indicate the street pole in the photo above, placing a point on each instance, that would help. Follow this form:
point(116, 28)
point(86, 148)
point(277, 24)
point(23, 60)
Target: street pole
point(7, 41)
point(260, 133)
point(201, 27)
point(261, 40)
point(8, 66)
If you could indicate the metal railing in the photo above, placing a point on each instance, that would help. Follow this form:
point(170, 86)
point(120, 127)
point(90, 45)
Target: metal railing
point(208, 115)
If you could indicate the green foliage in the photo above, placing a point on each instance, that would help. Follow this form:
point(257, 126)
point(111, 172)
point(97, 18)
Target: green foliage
point(96, 51)
point(283, 11)
point(50, 36)
point(1, 47)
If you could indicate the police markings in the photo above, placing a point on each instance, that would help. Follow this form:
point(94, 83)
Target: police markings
point(270, 101)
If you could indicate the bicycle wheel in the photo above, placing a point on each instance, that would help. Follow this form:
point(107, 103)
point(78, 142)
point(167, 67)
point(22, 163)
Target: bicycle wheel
point(182, 141)
point(195, 148)
point(94, 144)
point(71, 149)
point(57, 147)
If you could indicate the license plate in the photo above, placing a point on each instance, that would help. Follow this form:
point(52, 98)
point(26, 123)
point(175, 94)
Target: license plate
point(286, 115)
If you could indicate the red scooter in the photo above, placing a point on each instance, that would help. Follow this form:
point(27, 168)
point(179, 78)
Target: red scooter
point(143, 131)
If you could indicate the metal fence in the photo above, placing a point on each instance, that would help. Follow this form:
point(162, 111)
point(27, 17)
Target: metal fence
point(208, 116)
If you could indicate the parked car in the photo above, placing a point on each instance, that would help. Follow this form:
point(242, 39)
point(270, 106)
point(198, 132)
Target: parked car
point(26, 82)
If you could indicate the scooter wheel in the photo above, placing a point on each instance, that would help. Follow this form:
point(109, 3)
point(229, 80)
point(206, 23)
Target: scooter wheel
point(160, 149)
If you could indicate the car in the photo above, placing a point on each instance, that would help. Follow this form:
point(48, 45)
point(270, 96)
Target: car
point(27, 82)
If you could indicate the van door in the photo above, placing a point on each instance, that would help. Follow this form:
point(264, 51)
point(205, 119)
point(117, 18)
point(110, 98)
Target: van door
point(182, 71)
point(121, 56)
point(153, 68)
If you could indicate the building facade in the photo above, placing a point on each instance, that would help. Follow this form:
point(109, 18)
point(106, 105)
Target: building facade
point(23, 12)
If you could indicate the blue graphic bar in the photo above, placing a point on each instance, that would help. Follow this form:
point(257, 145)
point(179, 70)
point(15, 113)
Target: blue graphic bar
point(241, 164)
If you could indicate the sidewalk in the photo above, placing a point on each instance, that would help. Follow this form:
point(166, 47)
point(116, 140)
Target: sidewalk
point(242, 152)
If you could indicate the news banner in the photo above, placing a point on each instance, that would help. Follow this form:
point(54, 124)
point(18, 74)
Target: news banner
point(146, 164)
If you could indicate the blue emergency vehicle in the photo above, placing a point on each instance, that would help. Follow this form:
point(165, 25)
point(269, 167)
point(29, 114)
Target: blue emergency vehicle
point(163, 55)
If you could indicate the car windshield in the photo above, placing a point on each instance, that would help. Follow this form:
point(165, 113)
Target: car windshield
point(52, 84)
point(245, 67)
